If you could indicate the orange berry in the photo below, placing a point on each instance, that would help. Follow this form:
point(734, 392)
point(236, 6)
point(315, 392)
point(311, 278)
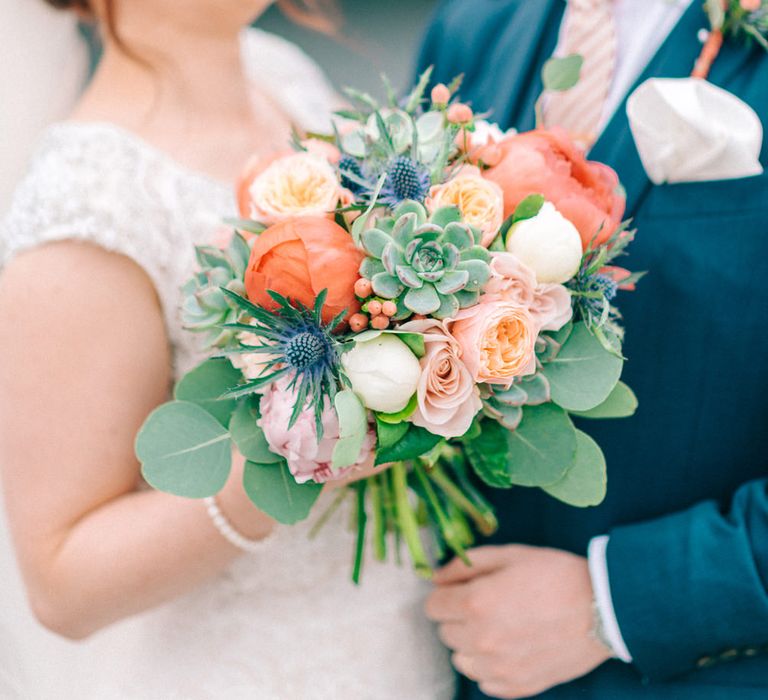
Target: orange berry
point(380, 323)
point(389, 308)
point(459, 113)
point(363, 288)
point(358, 322)
point(440, 94)
point(373, 307)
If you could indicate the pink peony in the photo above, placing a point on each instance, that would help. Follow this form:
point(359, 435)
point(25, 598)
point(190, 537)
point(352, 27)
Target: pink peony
point(307, 459)
point(548, 304)
point(448, 398)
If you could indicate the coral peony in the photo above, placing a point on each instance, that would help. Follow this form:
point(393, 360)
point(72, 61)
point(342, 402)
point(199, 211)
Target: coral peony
point(548, 163)
point(299, 258)
point(497, 340)
point(307, 459)
point(448, 398)
point(288, 185)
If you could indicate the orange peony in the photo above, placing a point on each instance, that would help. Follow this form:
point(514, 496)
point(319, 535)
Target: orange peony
point(299, 258)
point(548, 163)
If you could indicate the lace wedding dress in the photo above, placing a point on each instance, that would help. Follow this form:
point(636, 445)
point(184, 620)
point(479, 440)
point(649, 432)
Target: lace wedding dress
point(285, 623)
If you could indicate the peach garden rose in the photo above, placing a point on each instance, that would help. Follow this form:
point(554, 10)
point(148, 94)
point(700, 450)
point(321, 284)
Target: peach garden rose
point(497, 339)
point(448, 398)
point(480, 201)
point(299, 184)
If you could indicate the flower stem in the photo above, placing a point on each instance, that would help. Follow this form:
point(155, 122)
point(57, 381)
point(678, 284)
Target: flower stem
point(379, 524)
point(362, 520)
point(480, 512)
point(709, 53)
point(328, 513)
point(447, 527)
point(406, 520)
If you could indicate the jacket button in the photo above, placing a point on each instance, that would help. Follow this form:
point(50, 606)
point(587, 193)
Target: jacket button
point(729, 655)
point(750, 651)
point(705, 662)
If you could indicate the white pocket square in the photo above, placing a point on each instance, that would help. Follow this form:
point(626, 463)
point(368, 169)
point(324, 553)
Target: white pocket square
point(689, 130)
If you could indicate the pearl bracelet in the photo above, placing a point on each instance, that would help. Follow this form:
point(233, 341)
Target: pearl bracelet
point(227, 531)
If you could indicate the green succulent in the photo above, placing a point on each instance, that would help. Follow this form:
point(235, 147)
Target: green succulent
point(505, 404)
point(429, 265)
point(205, 307)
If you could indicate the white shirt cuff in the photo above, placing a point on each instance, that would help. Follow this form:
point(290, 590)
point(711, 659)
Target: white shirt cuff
point(598, 572)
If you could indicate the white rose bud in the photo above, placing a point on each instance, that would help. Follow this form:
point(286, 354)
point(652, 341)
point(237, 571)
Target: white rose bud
point(384, 373)
point(547, 243)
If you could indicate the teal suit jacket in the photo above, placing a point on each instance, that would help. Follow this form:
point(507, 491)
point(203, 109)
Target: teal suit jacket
point(687, 504)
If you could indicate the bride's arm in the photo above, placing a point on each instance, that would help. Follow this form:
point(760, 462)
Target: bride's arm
point(83, 359)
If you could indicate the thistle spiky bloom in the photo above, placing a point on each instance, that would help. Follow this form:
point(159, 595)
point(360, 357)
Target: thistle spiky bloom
point(295, 343)
point(206, 308)
point(406, 179)
point(428, 265)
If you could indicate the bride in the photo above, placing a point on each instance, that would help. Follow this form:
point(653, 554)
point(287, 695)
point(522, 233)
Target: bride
point(96, 244)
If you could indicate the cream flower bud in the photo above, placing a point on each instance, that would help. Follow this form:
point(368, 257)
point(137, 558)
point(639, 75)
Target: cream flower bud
point(383, 371)
point(547, 243)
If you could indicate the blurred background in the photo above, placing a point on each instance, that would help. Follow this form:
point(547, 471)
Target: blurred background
point(365, 48)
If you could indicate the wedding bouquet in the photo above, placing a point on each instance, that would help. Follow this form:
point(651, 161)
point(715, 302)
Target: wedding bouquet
point(417, 290)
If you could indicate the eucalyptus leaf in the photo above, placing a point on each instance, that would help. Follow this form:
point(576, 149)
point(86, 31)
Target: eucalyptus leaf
point(621, 403)
point(184, 450)
point(248, 436)
point(543, 446)
point(561, 74)
point(584, 484)
point(412, 445)
point(205, 386)
point(488, 453)
point(272, 489)
point(353, 427)
point(584, 373)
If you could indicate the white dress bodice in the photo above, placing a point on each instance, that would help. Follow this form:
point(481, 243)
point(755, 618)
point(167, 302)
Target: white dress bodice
point(285, 623)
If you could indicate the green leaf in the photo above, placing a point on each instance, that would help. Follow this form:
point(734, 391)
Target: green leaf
point(584, 484)
point(543, 446)
point(584, 373)
point(414, 341)
point(248, 225)
point(353, 427)
point(248, 436)
point(272, 489)
point(184, 450)
point(389, 433)
point(621, 403)
point(528, 208)
point(206, 385)
point(415, 443)
point(400, 416)
point(488, 453)
point(562, 73)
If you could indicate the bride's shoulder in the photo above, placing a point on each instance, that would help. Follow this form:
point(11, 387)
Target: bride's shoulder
point(291, 77)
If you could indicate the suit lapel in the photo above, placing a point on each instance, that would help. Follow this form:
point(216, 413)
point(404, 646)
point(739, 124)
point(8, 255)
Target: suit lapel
point(616, 146)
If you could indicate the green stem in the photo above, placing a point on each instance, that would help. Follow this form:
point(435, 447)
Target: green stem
point(450, 534)
point(406, 520)
point(482, 515)
point(362, 520)
point(379, 526)
point(390, 513)
point(328, 513)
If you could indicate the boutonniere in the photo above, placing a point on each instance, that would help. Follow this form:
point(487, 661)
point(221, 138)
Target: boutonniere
point(740, 19)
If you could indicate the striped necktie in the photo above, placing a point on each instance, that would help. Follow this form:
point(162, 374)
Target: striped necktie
point(589, 31)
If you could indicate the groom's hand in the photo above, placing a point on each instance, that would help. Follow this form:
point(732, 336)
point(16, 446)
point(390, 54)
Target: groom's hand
point(518, 620)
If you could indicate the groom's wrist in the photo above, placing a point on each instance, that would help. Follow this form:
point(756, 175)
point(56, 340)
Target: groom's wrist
point(605, 627)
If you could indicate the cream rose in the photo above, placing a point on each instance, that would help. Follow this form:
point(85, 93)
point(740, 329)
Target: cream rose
point(480, 201)
point(448, 398)
point(497, 339)
point(301, 184)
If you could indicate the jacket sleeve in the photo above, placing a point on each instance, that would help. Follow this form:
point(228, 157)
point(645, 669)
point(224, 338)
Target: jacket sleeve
point(690, 590)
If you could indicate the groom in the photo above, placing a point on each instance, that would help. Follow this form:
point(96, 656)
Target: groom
point(676, 558)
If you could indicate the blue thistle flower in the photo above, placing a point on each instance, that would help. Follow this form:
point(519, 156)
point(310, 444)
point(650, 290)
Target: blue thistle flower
point(295, 343)
point(352, 174)
point(593, 294)
point(406, 179)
